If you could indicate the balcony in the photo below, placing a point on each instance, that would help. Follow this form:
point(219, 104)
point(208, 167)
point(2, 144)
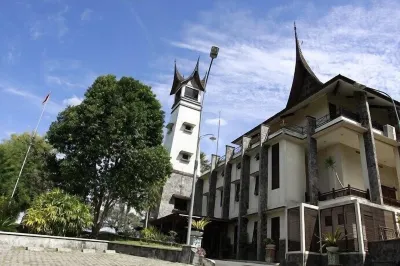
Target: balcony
point(340, 112)
point(347, 191)
point(391, 202)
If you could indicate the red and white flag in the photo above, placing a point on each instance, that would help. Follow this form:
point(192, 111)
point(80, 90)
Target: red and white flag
point(46, 99)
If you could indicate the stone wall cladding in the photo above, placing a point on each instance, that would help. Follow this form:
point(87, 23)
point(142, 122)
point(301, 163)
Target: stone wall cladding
point(227, 182)
point(262, 193)
point(281, 255)
point(243, 200)
point(198, 197)
point(212, 187)
point(370, 149)
point(383, 252)
point(177, 183)
point(313, 177)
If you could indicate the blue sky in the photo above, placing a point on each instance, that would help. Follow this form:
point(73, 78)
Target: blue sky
point(62, 46)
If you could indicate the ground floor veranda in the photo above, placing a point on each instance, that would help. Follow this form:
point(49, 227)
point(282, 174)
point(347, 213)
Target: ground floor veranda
point(298, 235)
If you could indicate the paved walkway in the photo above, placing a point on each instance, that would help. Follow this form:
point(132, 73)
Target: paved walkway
point(239, 263)
point(15, 257)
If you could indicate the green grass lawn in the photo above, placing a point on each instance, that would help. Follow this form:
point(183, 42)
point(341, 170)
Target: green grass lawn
point(145, 244)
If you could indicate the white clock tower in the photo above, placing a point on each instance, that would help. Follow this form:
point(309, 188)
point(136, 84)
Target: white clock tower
point(181, 141)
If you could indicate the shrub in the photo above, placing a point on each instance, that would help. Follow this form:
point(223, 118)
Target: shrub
point(57, 213)
point(152, 233)
point(200, 224)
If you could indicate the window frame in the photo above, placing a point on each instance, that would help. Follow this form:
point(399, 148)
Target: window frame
point(187, 95)
point(237, 192)
point(275, 171)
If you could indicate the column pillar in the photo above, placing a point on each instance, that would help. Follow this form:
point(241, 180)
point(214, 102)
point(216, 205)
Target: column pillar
point(369, 146)
point(212, 186)
point(227, 181)
point(313, 177)
point(393, 121)
point(243, 199)
point(262, 193)
point(198, 197)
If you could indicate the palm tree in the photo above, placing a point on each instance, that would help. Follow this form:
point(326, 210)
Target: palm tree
point(330, 164)
point(204, 162)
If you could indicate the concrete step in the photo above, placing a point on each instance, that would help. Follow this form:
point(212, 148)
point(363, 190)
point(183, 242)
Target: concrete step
point(109, 251)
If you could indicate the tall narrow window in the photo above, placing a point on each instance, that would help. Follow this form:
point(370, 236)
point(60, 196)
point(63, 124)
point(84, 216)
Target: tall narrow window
point(256, 180)
point(275, 230)
point(221, 197)
point(275, 166)
point(255, 229)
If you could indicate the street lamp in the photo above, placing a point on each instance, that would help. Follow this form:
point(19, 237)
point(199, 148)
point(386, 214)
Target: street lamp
point(213, 54)
point(394, 104)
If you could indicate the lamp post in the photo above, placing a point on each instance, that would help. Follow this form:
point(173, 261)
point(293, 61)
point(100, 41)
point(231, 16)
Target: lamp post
point(213, 54)
point(394, 105)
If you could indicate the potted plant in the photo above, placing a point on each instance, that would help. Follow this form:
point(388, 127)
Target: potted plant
point(269, 250)
point(329, 241)
point(197, 231)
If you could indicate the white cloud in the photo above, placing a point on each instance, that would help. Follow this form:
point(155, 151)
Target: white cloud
point(87, 14)
point(59, 21)
point(36, 30)
point(251, 78)
point(214, 121)
point(74, 100)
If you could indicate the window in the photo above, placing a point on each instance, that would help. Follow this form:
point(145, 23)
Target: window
point(180, 204)
point(223, 173)
point(185, 156)
point(237, 192)
point(275, 230)
point(256, 180)
point(255, 229)
point(221, 198)
point(257, 157)
point(188, 128)
point(239, 165)
point(191, 93)
point(293, 216)
point(311, 230)
point(275, 166)
point(328, 220)
point(340, 219)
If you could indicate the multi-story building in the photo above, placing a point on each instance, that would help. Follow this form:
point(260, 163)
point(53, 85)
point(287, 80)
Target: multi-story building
point(329, 160)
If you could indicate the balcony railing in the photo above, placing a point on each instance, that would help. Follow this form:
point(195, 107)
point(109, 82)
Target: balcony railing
point(295, 128)
point(347, 191)
point(391, 202)
point(222, 159)
point(340, 112)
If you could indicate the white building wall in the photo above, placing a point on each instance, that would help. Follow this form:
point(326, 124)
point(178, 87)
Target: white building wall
point(253, 199)
point(233, 205)
point(204, 206)
point(206, 185)
point(351, 165)
point(250, 227)
point(217, 206)
point(276, 197)
point(388, 176)
point(254, 164)
point(327, 178)
point(294, 173)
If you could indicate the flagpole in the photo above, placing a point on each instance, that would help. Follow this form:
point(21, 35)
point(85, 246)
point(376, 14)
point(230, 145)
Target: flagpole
point(29, 147)
point(219, 124)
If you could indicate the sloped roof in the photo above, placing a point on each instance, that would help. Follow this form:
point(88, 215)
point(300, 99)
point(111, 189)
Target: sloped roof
point(305, 81)
point(180, 81)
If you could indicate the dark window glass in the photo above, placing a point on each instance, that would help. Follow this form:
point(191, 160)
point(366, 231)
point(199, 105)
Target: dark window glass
point(328, 220)
point(185, 156)
point(180, 204)
point(239, 165)
point(293, 229)
point(222, 197)
point(191, 93)
point(275, 166)
point(340, 219)
point(257, 156)
point(188, 127)
point(311, 230)
point(237, 192)
point(256, 185)
point(255, 229)
point(275, 230)
point(223, 173)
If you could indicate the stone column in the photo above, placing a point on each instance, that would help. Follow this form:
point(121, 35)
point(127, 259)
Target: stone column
point(243, 199)
point(369, 146)
point(393, 121)
point(227, 182)
point(262, 193)
point(212, 186)
point(313, 177)
point(198, 197)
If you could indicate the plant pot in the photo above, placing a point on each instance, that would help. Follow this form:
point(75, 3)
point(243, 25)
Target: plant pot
point(332, 249)
point(196, 233)
point(270, 253)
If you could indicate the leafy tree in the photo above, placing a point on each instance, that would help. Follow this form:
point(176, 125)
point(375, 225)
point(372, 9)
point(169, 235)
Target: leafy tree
point(35, 178)
point(112, 146)
point(122, 219)
point(204, 162)
point(57, 213)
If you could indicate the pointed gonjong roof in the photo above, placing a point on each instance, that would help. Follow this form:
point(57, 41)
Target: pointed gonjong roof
point(305, 82)
point(180, 81)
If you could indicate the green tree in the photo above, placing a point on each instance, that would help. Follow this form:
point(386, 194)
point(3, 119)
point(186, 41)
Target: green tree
point(204, 162)
point(35, 178)
point(57, 213)
point(112, 145)
point(122, 219)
